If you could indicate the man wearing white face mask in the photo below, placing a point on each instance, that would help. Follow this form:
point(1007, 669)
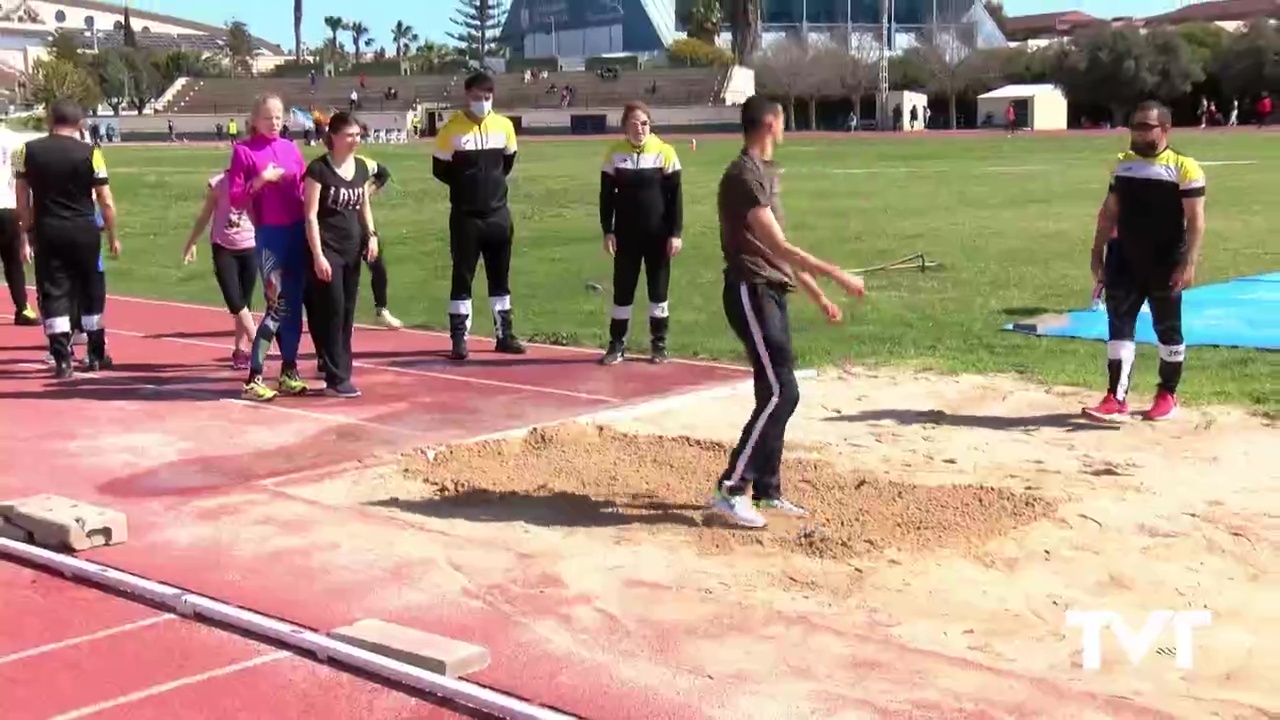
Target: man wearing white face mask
point(475, 151)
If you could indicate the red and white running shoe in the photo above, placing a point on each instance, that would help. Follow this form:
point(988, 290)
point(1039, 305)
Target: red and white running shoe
point(1164, 407)
point(1109, 410)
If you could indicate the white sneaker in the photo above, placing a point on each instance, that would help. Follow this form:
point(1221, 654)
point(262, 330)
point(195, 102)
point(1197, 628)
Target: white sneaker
point(738, 509)
point(786, 507)
point(388, 320)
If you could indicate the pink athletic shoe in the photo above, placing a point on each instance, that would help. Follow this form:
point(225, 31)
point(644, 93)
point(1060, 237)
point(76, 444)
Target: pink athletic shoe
point(240, 360)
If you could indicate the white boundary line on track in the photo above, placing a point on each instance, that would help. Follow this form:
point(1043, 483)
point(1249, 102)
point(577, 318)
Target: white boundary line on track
point(72, 642)
point(414, 331)
point(160, 688)
point(336, 419)
point(388, 368)
point(265, 628)
point(646, 407)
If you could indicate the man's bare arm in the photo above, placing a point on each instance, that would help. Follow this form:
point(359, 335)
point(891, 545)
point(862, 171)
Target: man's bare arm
point(24, 205)
point(1193, 210)
point(769, 232)
point(1106, 226)
point(108, 207)
point(810, 287)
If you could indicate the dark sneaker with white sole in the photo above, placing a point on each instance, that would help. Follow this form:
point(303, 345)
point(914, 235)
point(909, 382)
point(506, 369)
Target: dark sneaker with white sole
point(345, 390)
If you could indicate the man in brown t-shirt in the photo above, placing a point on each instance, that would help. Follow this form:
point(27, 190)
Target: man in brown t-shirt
point(761, 268)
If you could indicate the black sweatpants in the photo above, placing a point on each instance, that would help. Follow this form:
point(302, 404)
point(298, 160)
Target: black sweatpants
point(237, 274)
point(331, 314)
point(757, 312)
point(630, 254)
point(471, 239)
point(15, 275)
point(70, 279)
point(378, 280)
point(1128, 286)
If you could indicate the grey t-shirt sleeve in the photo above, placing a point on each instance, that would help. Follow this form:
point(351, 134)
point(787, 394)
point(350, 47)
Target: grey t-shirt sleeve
point(748, 189)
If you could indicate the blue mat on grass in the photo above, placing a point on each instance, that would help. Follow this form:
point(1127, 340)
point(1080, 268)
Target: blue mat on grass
point(1244, 312)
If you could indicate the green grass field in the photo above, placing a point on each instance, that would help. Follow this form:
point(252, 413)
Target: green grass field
point(1011, 221)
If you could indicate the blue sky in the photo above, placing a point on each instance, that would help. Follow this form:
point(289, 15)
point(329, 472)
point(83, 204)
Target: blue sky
point(273, 19)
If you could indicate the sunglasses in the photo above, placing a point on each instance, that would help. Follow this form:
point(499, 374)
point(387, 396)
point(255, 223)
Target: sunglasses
point(1145, 126)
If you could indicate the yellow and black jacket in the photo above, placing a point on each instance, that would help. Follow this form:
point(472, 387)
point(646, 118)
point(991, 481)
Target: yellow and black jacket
point(1152, 227)
point(474, 160)
point(640, 190)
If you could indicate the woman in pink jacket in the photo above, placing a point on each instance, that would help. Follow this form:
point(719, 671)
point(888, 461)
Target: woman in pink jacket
point(265, 179)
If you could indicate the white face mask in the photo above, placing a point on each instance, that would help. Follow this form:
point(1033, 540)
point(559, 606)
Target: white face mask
point(481, 108)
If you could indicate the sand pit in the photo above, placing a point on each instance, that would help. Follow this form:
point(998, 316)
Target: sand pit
point(955, 522)
point(585, 476)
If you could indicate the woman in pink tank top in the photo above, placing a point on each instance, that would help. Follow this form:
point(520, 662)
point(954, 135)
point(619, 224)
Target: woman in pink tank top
point(235, 264)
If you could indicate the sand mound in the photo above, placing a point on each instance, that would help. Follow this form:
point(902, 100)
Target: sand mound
point(589, 476)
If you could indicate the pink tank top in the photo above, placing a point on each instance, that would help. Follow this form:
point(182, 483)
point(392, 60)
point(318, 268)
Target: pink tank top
point(229, 228)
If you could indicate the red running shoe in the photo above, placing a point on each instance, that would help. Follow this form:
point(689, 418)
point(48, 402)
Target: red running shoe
point(1109, 410)
point(1164, 407)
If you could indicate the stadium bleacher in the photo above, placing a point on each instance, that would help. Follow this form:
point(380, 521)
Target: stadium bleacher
point(232, 96)
point(682, 87)
point(110, 39)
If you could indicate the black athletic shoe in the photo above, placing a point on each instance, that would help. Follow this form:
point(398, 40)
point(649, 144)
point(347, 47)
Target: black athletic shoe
point(26, 317)
point(93, 365)
point(345, 390)
point(509, 345)
point(658, 352)
point(62, 369)
point(614, 355)
point(459, 350)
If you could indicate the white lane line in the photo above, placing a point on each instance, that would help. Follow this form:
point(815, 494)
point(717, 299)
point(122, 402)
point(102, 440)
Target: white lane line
point(392, 368)
point(426, 333)
point(208, 394)
point(72, 642)
point(171, 685)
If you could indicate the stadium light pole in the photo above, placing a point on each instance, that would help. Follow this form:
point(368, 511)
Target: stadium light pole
point(886, 9)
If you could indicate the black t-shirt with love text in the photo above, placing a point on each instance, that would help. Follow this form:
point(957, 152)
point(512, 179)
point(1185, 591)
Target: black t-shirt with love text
point(339, 216)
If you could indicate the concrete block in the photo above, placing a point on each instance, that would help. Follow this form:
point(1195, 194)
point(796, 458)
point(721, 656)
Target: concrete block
point(9, 531)
point(61, 523)
point(434, 653)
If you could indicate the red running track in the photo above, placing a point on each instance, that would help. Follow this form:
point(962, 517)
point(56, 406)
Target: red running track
point(165, 438)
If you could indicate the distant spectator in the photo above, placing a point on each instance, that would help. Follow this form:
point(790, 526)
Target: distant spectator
point(354, 101)
point(1264, 110)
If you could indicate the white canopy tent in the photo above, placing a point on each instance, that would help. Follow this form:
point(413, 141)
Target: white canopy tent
point(1036, 107)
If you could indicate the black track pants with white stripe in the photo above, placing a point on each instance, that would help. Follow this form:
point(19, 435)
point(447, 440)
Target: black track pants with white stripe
point(757, 312)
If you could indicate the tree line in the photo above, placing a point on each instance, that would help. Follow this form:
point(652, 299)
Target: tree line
point(129, 75)
point(1103, 71)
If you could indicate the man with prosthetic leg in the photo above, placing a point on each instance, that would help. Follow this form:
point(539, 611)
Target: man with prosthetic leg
point(1155, 205)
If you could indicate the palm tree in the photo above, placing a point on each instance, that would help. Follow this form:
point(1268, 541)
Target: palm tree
point(744, 20)
point(359, 33)
point(703, 20)
point(433, 56)
point(335, 25)
point(297, 30)
point(404, 37)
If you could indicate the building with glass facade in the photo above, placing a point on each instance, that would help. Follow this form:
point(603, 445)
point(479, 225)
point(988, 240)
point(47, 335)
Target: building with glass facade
point(583, 28)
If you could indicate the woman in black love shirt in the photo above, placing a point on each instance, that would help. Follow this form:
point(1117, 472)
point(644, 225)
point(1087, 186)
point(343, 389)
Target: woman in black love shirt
point(341, 235)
